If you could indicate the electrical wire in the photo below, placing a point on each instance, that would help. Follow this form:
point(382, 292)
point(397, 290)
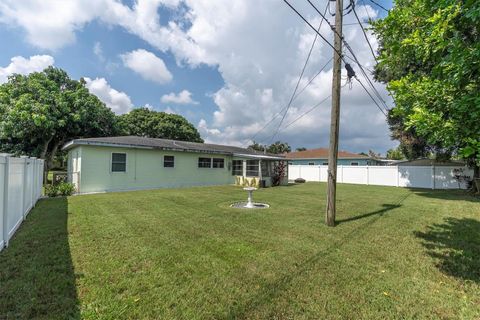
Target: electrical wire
point(298, 93)
point(307, 112)
point(379, 5)
point(349, 48)
point(365, 34)
point(299, 78)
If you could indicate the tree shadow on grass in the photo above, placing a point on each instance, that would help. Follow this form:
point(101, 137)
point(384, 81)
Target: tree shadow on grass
point(37, 280)
point(456, 245)
point(452, 195)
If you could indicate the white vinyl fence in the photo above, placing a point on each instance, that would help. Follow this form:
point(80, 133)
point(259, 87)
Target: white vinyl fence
point(21, 182)
point(397, 176)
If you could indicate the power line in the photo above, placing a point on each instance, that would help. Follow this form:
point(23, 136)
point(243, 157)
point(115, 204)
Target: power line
point(307, 112)
point(375, 101)
point(299, 78)
point(298, 93)
point(347, 45)
point(379, 5)
point(365, 34)
point(313, 28)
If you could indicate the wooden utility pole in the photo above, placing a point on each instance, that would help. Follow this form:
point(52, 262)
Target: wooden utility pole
point(335, 117)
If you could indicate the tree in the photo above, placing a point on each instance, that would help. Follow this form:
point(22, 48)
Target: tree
point(372, 154)
point(429, 57)
point(43, 110)
point(279, 148)
point(153, 124)
point(256, 146)
point(395, 154)
point(301, 149)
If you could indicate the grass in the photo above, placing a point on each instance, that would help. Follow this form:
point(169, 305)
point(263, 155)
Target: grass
point(184, 254)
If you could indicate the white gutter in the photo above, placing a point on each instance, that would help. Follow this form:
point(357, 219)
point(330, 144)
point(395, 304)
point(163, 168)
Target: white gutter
point(101, 144)
point(258, 156)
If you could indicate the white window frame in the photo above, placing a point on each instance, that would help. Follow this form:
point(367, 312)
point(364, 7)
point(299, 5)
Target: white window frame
point(218, 167)
point(211, 163)
point(111, 162)
point(168, 155)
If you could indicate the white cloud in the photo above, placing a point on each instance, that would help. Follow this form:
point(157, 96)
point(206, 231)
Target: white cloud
point(258, 54)
point(183, 97)
point(147, 65)
point(118, 101)
point(25, 66)
point(98, 51)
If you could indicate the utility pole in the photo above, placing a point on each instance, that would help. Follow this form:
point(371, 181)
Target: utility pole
point(335, 116)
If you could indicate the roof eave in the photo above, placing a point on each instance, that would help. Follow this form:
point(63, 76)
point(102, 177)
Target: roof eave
point(258, 156)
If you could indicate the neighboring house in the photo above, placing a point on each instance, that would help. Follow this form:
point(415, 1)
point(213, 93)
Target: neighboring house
point(133, 163)
point(319, 156)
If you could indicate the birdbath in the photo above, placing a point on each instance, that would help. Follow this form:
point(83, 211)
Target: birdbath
point(250, 197)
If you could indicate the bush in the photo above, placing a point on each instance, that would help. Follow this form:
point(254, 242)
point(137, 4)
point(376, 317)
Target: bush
point(61, 189)
point(65, 188)
point(51, 191)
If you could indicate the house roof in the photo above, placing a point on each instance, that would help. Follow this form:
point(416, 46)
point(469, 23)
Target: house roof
point(322, 153)
point(175, 145)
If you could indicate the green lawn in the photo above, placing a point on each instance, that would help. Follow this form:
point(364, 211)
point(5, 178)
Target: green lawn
point(184, 254)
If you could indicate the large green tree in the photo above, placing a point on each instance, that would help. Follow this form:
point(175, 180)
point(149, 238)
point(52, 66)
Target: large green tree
point(43, 110)
point(153, 124)
point(429, 56)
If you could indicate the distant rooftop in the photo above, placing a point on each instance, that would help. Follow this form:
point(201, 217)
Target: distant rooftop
point(166, 144)
point(322, 153)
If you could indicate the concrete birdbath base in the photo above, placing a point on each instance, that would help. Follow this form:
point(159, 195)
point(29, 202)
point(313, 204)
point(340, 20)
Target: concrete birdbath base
point(249, 204)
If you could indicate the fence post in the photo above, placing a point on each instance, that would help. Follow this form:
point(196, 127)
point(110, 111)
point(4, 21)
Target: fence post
point(368, 178)
point(24, 187)
point(433, 177)
point(398, 176)
point(5, 200)
point(34, 180)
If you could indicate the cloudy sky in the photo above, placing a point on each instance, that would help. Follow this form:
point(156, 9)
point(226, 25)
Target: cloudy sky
point(229, 67)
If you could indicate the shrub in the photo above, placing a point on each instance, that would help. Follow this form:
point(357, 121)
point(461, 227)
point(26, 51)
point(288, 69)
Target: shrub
point(65, 188)
point(51, 191)
point(61, 189)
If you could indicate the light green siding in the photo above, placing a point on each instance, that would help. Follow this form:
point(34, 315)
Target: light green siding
point(145, 170)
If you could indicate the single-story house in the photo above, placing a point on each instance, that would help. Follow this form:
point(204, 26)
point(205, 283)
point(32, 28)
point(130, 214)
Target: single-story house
point(133, 163)
point(315, 157)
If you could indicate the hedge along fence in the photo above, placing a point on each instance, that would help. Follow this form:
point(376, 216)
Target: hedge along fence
point(431, 177)
point(21, 181)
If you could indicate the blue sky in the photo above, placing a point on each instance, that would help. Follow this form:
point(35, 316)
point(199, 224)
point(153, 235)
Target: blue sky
point(238, 62)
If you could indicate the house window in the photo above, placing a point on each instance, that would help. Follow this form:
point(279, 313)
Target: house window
point(119, 162)
point(325, 164)
point(252, 168)
point(168, 161)
point(237, 167)
point(354, 163)
point(311, 163)
point(218, 163)
point(204, 162)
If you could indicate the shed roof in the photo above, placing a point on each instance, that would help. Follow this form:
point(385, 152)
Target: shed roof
point(431, 162)
point(322, 153)
point(166, 144)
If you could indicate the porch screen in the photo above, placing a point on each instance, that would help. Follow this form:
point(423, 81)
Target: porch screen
point(237, 168)
point(252, 168)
